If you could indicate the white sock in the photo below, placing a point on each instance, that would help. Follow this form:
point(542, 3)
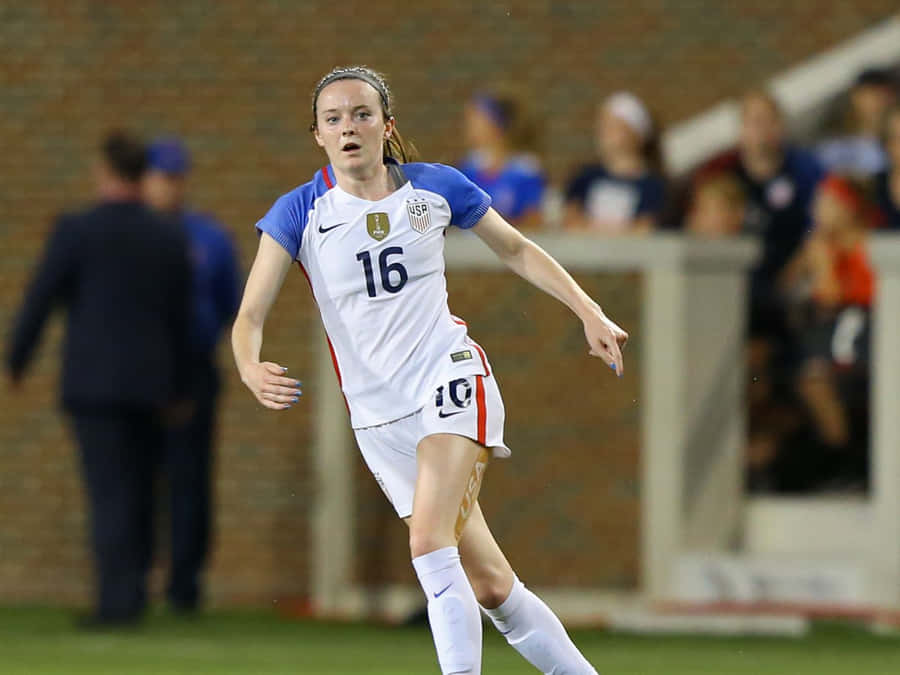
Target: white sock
point(534, 631)
point(452, 611)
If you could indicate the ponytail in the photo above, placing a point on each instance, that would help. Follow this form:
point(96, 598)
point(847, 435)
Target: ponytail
point(398, 148)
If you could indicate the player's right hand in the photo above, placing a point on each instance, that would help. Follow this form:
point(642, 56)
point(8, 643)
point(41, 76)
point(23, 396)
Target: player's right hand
point(270, 386)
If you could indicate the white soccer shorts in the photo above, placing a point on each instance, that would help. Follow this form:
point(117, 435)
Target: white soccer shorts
point(468, 406)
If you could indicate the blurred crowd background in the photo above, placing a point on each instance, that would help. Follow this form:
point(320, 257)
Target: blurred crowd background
point(556, 109)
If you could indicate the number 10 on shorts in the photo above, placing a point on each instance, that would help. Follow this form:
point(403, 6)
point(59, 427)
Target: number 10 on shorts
point(459, 392)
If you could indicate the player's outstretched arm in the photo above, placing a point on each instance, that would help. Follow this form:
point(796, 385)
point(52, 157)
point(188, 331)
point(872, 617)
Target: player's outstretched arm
point(266, 380)
point(532, 263)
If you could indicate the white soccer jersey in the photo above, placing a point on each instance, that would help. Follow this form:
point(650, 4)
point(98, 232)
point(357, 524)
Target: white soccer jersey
point(377, 273)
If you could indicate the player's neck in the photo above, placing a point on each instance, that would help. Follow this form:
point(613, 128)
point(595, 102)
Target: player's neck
point(372, 184)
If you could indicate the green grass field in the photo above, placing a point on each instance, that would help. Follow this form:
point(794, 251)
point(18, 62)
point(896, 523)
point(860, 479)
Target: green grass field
point(43, 642)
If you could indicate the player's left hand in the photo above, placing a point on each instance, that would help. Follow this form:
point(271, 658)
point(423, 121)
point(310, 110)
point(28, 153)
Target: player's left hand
point(606, 340)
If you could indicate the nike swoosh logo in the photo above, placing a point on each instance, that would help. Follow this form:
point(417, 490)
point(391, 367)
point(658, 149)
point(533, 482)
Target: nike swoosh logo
point(443, 590)
point(323, 230)
point(443, 414)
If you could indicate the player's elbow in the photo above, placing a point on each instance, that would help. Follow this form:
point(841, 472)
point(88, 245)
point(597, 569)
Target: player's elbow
point(513, 248)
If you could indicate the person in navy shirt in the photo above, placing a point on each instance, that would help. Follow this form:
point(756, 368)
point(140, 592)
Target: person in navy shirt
point(623, 193)
point(780, 181)
point(502, 161)
point(887, 183)
point(215, 296)
point(121, 274)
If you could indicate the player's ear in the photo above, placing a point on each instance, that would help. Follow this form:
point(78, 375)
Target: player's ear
point(389, 125)
point(315, 132)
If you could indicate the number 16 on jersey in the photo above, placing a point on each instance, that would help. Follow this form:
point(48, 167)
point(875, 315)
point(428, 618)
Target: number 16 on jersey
point(385, 269)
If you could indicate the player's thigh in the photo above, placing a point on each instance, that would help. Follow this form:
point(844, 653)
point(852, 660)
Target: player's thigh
point(487, 568)
point(450, 471)
point(389, 452)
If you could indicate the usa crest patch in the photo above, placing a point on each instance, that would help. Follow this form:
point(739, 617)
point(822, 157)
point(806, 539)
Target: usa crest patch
point(419, 214)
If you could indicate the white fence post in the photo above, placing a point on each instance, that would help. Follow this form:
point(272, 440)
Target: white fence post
point(885, 410)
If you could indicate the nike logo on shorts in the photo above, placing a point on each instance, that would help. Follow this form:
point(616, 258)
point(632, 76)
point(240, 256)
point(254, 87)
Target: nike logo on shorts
point(442, 414)
point(323, 230)
point(443, 590)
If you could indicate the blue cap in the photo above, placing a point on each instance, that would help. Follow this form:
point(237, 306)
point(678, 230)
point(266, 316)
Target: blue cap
point(168, 155)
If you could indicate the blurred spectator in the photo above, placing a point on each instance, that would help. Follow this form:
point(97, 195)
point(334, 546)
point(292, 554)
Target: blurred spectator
point(779, 181)
point(502, 139)
point(887, 183)
point(719, 207)
point(834, 269)
point(215, 297)
point(122, 274)
point(860, 154)
point(623, 192)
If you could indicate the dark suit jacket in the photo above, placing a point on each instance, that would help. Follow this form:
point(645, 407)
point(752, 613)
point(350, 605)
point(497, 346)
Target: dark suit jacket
point(123, 275)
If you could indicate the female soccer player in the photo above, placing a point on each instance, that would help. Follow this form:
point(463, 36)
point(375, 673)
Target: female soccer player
point(424, 404)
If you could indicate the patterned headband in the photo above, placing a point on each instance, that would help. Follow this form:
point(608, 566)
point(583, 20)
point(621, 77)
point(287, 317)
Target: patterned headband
point(356, 73)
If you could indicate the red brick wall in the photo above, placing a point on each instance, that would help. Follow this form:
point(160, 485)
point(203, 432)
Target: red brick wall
point(233, 77)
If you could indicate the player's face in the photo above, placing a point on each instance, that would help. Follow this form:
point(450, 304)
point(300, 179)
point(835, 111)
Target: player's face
point(350, 125)
point(761, 127)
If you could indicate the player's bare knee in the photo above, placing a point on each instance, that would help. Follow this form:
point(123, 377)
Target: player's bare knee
point(491, 593)
point(424, 540)
point(491, 585)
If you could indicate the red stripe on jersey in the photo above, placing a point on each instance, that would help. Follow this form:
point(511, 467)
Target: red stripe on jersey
point(459, 321)
point(326, 177)
point(334, 362)
point(482, 409)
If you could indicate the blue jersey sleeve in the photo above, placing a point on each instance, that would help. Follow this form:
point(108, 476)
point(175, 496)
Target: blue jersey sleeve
point(468, 202)
point(286, 220)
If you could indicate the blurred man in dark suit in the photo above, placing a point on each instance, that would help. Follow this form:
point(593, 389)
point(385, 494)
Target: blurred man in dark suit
point(122, 274)
point(215, 298)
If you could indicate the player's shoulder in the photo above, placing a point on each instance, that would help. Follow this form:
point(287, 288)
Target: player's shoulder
point(435, 177)
point(467, 202)
point(287, 218)
point(295, 205)
point(306, 194)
